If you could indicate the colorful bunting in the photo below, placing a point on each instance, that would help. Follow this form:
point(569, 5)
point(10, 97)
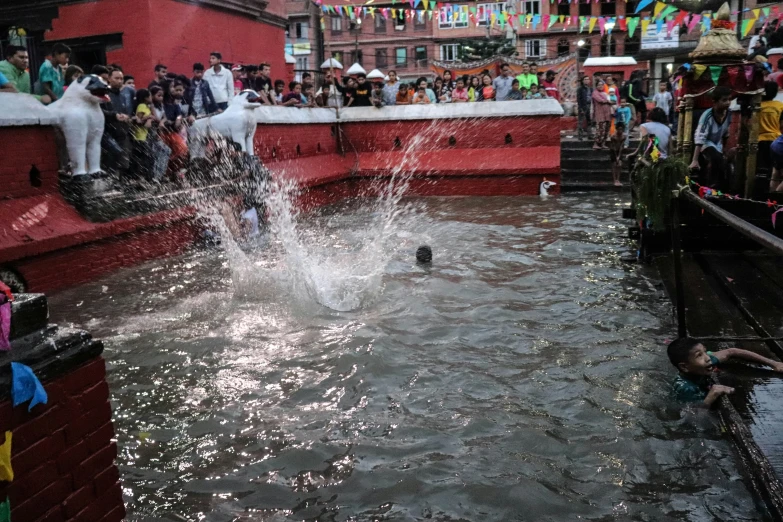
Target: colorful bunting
point(5, 511)
point(715, 71)
point(642, 4)
point(698, 70)
point(26, 386)
point(593, 20)
point(632, 23)
point(6, 471)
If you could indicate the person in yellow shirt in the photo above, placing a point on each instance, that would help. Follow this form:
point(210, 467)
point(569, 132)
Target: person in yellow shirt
point(769, 123)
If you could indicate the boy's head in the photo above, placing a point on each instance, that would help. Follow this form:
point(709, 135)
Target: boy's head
point(721, 98)
point(662, 86)
point(619, 127)
point(689, 356)
point(533, 88)
point(515, 85)
point(403, 88)
point(460, 83)
point(523, 91)
point(279, 86)
point(623, 101)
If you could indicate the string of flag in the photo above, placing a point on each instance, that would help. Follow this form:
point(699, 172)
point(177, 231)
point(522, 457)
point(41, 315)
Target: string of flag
point(707, 192)
point(663, 16)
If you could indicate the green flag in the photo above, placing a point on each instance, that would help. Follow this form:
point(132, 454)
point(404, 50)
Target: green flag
point(633, 21)
point(5, 511)
point(715, 71)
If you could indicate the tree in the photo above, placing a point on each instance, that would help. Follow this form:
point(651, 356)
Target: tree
point(483, 48)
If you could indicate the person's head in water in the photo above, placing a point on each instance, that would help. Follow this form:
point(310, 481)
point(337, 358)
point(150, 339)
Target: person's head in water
point(424, 254)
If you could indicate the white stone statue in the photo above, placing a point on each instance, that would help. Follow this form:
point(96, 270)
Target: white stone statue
point(237, 123)
point(81, 121)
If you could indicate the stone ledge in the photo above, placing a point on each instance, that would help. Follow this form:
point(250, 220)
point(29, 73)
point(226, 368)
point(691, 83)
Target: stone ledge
point(18, 109)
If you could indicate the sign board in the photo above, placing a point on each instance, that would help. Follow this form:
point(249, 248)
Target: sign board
point(652, 39)
point(298, 49)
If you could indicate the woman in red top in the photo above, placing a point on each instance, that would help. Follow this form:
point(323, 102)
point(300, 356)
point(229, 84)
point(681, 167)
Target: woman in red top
point(487, 91)
point(602, 115)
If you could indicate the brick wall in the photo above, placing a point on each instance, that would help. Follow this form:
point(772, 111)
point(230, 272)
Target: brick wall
point(23, 148)
point(276, 142)
point(63, 452)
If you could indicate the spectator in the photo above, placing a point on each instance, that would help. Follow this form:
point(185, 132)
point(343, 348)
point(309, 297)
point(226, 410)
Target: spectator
point(637, 96)
point(307, 79)
point(515, 93)
point(487, 91)
point(549, 85)
point(403, 95)
point(623, 115)
point(129, 81)
point(116, 136)
point(102, 71)
point(277, 96)
point(198, 95)
point(308, 95)
point(362, 95)
point(391, 89)
point(460, 93)
point(220, 80)
point(534, 72)
point(663, 100)
point(448, 84)
point(294, 96)
point(475, 87)
point(657, 127)
point(602, 114)
point(616, 145)
point(584, 96)
point(73, 72)
point(710, 138)
point(534, 93)
point(176, 135)
point(236, 73)
point(377, 95)
point(160, 76)
point(14, 68)
point(503, 83)
point(128, 91)
point(348, 91)
point(263, 85)
point(422, 82)
point(247, 77)
point(440, 96)
point(526, 78)
point(328, 94)
point(50, 75)
point(777, 75)
point(150, 155)
point(6, 85)
point(421, 97)
point(769, 123)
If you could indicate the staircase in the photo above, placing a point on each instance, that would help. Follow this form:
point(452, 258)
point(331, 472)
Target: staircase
point(582, 168)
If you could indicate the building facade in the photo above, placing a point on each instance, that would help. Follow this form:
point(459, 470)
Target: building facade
point(304, 39)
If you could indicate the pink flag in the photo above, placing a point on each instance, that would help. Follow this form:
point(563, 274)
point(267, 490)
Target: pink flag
point(694, 20)
point(5, 324)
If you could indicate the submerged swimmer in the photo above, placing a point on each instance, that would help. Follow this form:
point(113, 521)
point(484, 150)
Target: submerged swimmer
point(424, 254)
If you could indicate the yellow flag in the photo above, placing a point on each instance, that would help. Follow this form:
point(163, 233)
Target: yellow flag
point(6, 472)
point(426, 4)
point(394, 13)
point(645, 23)
point(593, 20)
point(659, 6)
point(756, 13)
point(698, 70)
point(562, 17)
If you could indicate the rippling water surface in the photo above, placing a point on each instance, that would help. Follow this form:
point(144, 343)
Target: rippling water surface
point(522, 377)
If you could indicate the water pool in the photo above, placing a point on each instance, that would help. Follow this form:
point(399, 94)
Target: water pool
point(521, 377)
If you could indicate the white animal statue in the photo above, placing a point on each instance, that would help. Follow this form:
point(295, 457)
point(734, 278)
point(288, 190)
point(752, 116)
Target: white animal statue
point(237, 123)
point(543, 188)
point(82, 122)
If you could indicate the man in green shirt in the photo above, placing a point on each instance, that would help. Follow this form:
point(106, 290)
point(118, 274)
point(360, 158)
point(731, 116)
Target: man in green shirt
point(526, 79)
point(50, 75)
point(14, 68)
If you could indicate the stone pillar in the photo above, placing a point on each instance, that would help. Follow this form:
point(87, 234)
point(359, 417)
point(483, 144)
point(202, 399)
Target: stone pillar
point(686, 130)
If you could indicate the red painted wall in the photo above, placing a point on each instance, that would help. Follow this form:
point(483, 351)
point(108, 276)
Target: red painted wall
point(63, 452)
point(173, 33)
point(22, 148)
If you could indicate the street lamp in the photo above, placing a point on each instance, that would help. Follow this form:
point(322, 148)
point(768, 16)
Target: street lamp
point(581, 43)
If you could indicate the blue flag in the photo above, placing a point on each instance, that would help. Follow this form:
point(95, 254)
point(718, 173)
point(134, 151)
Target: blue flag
point(26, 386)
point(642, 4)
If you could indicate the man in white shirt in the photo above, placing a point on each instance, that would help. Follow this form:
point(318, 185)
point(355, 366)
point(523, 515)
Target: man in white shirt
point(220, 80)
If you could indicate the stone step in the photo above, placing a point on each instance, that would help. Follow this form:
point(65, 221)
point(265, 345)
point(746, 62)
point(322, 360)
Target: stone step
point(29, 313)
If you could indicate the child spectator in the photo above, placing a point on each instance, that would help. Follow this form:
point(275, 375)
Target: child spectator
point(236, 74)
point(623, 115)
point(473, 90)
point(487, 91)
point(616, 145)
point(377, 95)
point(294, 96)
point(308, 96)
point(404, 95)
point(663, 99)
point(515, 93)
point(362, 95)
point(460, 93)
point(534, 93)
point(73, 72)
point(710, 139)
point(279, 87)
point(695, 365)
point(421, 97)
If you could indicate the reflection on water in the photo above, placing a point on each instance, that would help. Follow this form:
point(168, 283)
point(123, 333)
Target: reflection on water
point(521, 377)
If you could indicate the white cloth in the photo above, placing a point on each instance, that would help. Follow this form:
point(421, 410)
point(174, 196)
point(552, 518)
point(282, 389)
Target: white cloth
point(663, 100)
point(251, 216)
point(221, 83)
point(660, 131)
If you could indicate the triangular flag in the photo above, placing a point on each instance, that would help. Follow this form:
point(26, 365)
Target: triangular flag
point(429, 14)
point(706, 23)
point(26, 386)
point(545, 20)
point(680, 18)
point(659, 6)
point(715, 71)
point(623, 23)
point(5, 511)
point(593, 20)
point(658, 25)
point(632, 23)
point(645, 24)
point(669, 10)
point(6, 471)
point(601, 25)
point(747, 25)
point(416, 4)
point(642, 4)
point(426, 4)
point(561, 18)
point(698, 70)
point(693, 21)
point(765, 10)
point(756, 13)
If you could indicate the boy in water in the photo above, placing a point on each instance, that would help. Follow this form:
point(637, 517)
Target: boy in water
point(616, 146)
point(696, 364)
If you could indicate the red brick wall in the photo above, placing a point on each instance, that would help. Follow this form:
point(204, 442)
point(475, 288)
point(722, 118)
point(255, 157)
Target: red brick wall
point(276, 142)
point(21, 148)
point(63, 452)
point(174, 33)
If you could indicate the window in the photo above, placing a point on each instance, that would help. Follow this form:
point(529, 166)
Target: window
point(401, 56)
point(381, 58)
point(399, 20)
point(563, 47)
point(302, 30)
point(354, 27)
point(421, 56)
point(453, 16)
point(338, 55)
point(608, 45)
point(356, 57)
point(532, 7)
point(419, 22)
point(484, 12)
point(608, 9)
point(337, 24)
point(380, 23)
point(564, 9)
point(301, 66)
point(585, 9)
point(449, 52)
point(632, 45)
point(535, 48)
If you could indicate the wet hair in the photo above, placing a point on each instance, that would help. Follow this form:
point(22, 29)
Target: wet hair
point(679, 350)
point(657, 115)
point(70, 72)
point(424, 254)
point(60, 48)
point(98, 70)
point(141, 95)
point(11, 50)
point(198, 66)
point(770, 90)
point(216, 55)
point(720, 92)
point(160, 67)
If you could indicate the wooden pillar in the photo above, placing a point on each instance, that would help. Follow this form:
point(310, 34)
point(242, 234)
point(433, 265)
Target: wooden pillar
point(752, 146)
point(686, 132)
point(681, 130)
